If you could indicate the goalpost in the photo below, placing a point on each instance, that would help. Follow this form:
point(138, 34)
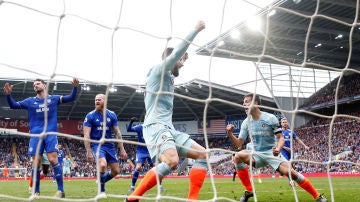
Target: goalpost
point(15, 173)
point(66, 48)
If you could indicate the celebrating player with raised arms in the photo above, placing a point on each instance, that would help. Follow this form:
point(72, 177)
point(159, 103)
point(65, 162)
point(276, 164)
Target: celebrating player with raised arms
point(158, 128)
point(37, 107)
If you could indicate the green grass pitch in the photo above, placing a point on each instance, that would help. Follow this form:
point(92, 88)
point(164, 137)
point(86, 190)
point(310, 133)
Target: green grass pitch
point(271, 189)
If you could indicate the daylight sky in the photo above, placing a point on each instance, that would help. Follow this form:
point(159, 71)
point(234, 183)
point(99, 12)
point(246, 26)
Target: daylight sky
point(31, 45)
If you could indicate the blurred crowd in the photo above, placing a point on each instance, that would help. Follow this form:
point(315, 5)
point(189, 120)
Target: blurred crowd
point(341, 145)
point(338, 143)
point(349, 87)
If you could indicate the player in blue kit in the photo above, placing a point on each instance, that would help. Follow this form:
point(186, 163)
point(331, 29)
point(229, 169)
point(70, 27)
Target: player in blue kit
point(286, 150)
point(142, 153)
point(261, 127)
point(61, 154)
point(289, 135)
point(93, 130)
point(159, 133)
point(37, 108)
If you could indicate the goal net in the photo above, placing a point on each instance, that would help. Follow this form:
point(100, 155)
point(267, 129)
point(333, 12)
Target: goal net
point(301, 55)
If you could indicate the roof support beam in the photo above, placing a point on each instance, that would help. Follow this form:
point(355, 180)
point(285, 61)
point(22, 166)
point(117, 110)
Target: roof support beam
point(68, 117)
point(126, 103)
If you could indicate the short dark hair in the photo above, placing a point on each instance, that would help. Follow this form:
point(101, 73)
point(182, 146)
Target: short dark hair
point(253, 96)
point(167, 52)
point(42, 81)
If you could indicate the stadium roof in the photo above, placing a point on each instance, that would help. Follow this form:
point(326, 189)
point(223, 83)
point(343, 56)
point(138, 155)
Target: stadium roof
point(128, 100)
point(289, 24)
point(303, 48)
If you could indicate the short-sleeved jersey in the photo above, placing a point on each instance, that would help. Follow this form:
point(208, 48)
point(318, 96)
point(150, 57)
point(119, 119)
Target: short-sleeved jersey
point(67, 163)
point(287, 137)
point(263, 131)
point(138, 129)
point(61, 154)
point(159, 108)
point(36, 109)
point(94, 120)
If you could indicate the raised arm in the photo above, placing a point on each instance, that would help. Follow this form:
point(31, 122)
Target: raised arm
point(118, 135)
point(180, 49)
point(72, 96)
point(130, 128)
point(12, 103)
point(237, 141)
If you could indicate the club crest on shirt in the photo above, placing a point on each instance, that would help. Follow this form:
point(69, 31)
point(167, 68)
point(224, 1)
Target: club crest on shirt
point(171, 84)
point(108, 119)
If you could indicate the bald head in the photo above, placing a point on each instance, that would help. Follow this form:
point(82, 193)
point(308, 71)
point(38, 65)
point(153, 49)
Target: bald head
point(99, 102)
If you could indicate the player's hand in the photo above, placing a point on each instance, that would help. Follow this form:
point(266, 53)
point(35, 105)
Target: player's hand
point(276, 151)
point(123, 154)
point(89, 157)
point(75, 82)
point(7, 88)
point(133, 119)
point(185, 56)
point(200, 26)
point(229, 128)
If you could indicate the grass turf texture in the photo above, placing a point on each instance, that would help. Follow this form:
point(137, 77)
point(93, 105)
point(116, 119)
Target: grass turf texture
point(271, 189)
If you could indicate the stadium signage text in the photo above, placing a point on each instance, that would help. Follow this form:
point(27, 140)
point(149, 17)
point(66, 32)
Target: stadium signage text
point(236, 122)
point(64, 126)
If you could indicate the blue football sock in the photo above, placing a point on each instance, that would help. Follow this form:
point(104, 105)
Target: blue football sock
point(135, 176)
point(37, 182)
point(58, 175)
point(104, 177)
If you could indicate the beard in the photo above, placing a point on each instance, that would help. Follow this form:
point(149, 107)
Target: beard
point(39, 91)
point(99, 108)
point(175, 71)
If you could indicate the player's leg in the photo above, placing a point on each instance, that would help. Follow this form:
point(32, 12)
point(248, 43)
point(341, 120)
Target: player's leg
point(136, 172)
point(140, 160)
point(234, 174)
point(45, 169)
point(51, 149)
point(67, 173)
point(108, 155)
point(169, 159)
point(197, 173)
point(157, 135)
point(35, 176)
point(101, 158)
point(242, 159)
point(286, 155)
point(286, 168)
point(45, 165)
point(151, 164)
point(259, 175)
